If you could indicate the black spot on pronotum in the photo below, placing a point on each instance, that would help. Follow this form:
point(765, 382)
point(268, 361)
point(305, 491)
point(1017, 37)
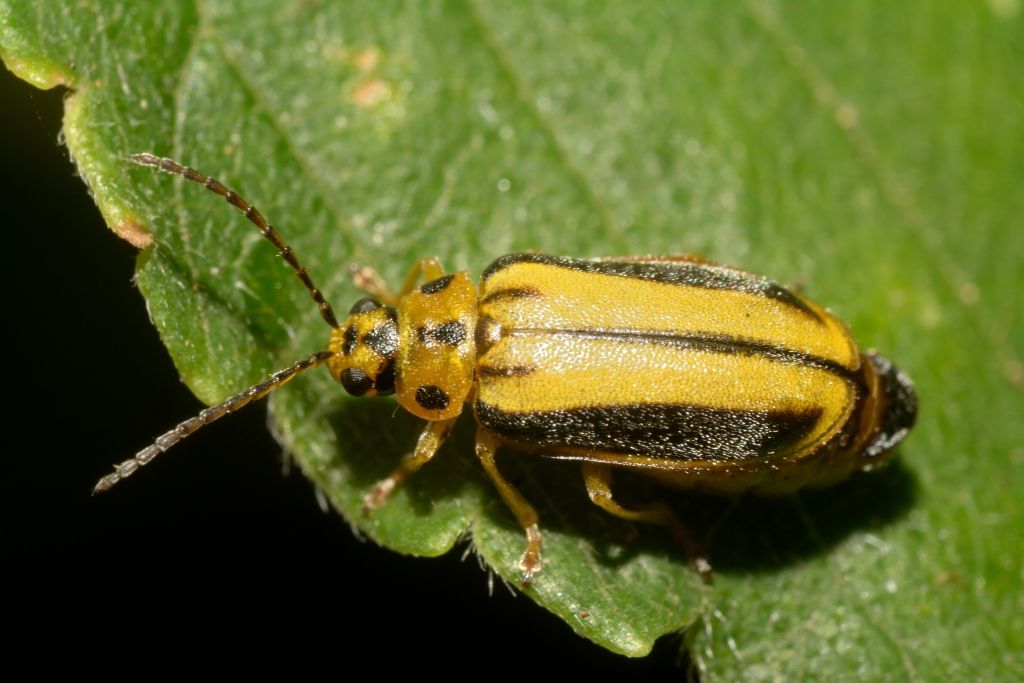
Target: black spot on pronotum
point(451, 333)
point(432, 397)
point(355, 381)
point(437, 286)
point(348, 340)
point(364, 305)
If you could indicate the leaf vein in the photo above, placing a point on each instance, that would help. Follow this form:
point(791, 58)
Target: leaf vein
point(826, 95)
point(524, 93)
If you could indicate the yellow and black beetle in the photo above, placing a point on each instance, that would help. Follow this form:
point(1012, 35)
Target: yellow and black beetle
point(698, 375)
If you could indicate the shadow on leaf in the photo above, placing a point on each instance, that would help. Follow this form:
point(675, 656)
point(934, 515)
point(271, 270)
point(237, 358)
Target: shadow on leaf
point(741, 534)
point(378, 434)
point(762, 534)
point(745, 533)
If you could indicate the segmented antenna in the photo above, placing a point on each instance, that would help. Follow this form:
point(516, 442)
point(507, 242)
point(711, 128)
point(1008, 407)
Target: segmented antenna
point(250, 212)
point(167, 440)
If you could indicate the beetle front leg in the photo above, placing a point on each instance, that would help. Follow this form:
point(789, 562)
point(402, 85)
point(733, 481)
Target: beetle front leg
point(598, 480)
point(367, 279)
point(430, 440)
point(486, 446)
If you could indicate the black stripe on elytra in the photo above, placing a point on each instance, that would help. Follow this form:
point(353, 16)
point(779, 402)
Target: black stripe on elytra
point(673, 432)
point(504, 371)
point(701, 342)
point(510, 293)
point(707, 276)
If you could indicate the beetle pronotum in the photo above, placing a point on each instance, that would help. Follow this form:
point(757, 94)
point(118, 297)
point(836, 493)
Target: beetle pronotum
point(699, 375)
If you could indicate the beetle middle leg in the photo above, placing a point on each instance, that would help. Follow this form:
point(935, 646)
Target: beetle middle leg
point(598, 480)
point(430, 440)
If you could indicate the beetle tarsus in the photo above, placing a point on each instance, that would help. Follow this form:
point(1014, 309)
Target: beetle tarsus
point(531, 563)
point(703, 568)
point(378, 495)
point(697, 556)
point(367, 279)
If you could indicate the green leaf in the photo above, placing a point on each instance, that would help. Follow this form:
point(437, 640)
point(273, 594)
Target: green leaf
point(873, 152)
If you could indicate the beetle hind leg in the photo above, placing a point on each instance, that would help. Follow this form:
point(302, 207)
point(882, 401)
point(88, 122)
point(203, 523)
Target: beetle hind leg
point(598, 480)
point(486, 446)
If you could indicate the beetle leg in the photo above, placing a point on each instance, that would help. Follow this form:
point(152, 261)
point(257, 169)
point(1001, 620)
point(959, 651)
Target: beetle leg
point(430, 440)
point(367, 279)
point(486, 446)
point(598, 480)
point(430, 268)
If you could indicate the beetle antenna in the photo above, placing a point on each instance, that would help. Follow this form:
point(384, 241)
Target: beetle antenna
point(250, 212)
point(166, 441)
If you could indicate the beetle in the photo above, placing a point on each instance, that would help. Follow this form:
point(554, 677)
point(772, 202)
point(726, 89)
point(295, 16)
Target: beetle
point(695, 374)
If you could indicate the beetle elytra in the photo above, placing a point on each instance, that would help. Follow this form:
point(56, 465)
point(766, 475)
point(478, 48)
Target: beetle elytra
point(698, 375)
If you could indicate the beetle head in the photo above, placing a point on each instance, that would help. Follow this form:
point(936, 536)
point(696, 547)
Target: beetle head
point(364, 349)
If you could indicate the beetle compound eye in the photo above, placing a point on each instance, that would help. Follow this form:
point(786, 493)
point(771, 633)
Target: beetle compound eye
point(355, 381)
point(364, 305)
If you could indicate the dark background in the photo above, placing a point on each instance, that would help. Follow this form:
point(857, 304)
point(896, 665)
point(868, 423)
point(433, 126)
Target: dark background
point(215, 551)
